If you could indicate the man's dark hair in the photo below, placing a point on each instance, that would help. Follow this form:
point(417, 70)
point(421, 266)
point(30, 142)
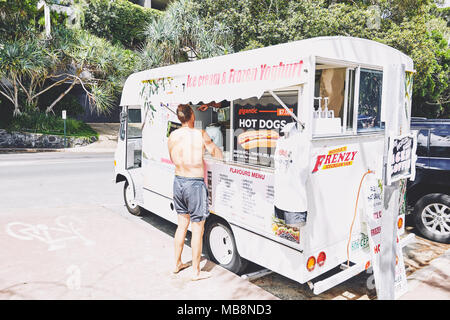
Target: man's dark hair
point(184, 112)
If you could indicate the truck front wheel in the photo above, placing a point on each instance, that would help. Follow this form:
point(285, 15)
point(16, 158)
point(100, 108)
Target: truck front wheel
point(221, 247)
point(130, 201)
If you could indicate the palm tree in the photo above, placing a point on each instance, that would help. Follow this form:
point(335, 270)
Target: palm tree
point(181, 35)
point(21, 61)
point(71, 57)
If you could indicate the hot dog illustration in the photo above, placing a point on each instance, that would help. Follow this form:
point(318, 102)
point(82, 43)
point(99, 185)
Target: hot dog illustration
point(258, 139)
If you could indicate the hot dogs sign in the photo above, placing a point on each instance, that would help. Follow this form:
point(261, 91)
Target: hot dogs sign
point(256, 130)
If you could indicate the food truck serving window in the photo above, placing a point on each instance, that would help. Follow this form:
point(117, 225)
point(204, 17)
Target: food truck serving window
point(257, 124)
point(347, 100)
point(369, 105)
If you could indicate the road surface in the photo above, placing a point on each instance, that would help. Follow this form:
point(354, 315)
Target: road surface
point(66, 234)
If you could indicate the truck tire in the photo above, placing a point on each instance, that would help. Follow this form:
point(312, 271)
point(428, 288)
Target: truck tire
point(221, 247)
point(432, 217)
point(130, 203)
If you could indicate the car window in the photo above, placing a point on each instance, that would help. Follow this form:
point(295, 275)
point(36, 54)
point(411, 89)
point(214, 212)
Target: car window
point(422, 143)
point(440, 143)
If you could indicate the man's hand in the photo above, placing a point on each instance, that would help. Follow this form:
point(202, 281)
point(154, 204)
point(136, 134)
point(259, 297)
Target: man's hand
point(211, 146)
point(205, 107)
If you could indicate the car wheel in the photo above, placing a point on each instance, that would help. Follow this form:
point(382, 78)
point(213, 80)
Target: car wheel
point(221, 247)
point(432, 217)
point(130, 201)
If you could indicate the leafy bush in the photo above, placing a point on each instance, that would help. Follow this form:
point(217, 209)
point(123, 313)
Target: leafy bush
point(180, 35)
point(117, 20)
point(34, 66)
point(416, 27)
point(38, 122)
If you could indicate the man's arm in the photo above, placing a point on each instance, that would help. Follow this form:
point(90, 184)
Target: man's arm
point(211, 146)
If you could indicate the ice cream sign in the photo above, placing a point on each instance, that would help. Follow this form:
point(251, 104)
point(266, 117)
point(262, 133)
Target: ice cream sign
point(242, 79)
point(235, 75)
point(336, 158)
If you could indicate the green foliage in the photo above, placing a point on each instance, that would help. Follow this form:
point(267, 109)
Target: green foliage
point(38, 122)
point(416, 27)
point(431, 56)
point(16, 17)
point(21, 18)
point(30, 67)
point(22, 57)
point(117, 20)
point(180, 34)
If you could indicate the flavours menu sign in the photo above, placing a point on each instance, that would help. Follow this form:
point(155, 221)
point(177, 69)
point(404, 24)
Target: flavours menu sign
point(241, 195)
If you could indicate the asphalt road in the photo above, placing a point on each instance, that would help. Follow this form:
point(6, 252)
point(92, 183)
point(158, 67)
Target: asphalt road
point(66, 234)
point(52, 179)
point(36, 189)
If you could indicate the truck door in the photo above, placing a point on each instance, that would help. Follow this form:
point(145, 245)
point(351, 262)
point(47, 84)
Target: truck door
point(133, 139)
point(133, 150)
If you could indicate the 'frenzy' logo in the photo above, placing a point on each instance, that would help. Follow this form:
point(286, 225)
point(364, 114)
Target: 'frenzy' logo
point(335, 158)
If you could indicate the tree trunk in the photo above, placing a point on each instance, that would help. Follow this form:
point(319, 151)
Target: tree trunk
point(16, 111)
point(50, 108)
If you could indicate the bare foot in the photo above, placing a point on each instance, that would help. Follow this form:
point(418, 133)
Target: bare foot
point(202, 275)
point(181, 267)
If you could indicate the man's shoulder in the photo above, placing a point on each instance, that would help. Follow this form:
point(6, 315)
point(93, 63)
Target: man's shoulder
point(176, 132)
point(186, 131)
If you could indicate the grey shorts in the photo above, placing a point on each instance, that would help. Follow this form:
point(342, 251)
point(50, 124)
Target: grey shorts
point(291, 218)
point(190, 196)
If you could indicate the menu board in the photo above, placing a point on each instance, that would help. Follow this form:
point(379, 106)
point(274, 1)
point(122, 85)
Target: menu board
point(373, 213)
point(401, 158)
point(257, 124)
point(242, 195)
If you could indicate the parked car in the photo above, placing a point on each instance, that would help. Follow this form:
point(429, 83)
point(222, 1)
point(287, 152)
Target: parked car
point(429, 194)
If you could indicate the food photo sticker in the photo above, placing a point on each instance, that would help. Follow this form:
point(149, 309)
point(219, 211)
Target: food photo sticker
point(280, 229)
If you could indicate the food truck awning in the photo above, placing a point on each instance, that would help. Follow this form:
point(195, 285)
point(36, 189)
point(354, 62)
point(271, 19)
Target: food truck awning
point(250, 73)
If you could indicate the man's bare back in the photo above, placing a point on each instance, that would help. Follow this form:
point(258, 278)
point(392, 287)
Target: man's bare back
point(186, 148)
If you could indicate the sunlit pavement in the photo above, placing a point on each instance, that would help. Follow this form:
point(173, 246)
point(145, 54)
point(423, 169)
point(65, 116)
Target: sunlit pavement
point(92, 252)
point(66, 234)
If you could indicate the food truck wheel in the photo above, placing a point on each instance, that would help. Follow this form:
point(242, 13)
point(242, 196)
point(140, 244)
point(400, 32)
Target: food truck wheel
point(221, 247)
point(130, 202)
point(432, 217)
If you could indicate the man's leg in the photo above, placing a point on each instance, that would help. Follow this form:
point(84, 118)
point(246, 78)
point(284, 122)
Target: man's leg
point(180, 235)
point(196, 245)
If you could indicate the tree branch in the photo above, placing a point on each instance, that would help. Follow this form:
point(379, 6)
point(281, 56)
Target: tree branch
point(49, 87)
point(8, 97)
point(24, 89)
point(50, 108)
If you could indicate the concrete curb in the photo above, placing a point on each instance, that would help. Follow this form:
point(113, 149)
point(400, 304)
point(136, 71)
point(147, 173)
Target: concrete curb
point(27, 150)
point(71, 150)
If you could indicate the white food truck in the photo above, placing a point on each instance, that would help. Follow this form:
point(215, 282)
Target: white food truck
point(350, 98)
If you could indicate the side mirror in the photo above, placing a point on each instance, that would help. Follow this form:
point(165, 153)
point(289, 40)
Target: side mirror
point(123, 116)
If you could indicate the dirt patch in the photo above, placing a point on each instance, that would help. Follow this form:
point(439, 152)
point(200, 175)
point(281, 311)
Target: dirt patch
point(420, 253)
point(417, 255)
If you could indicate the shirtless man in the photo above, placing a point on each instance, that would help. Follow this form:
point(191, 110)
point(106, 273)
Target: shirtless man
point(186, 149)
